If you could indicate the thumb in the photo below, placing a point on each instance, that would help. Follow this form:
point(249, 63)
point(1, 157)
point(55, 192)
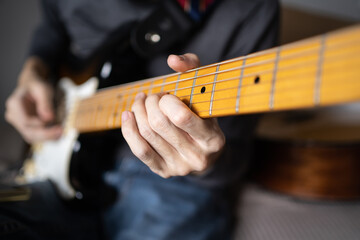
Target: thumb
point(182, 63)
point(42, 94)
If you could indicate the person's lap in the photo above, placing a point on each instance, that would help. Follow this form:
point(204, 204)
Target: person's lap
point(148, 207)
point(45, 216)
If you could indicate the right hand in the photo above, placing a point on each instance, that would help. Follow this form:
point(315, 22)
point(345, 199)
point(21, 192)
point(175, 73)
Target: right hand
point(29, 108)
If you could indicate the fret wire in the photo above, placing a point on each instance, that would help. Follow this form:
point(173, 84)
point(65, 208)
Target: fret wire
point(286, 57)
point(109, 112)
point(287, 89)
point(96, 116)
point(192, 89)
point(336, 83)
point(162, 85)
point(119, 111)
point(329, 60)
point(115, 113)
point(304, 86)
point(272, 93)
point(213, 89)
point(240, 85)
point(151, 87)
point(352, 56)
point(91, 120)
point(319, 72)
point(244, 76)
point(112, 113)
point(128, 99)
point(177, 83)
point(263, 93)
point(254, 104)
point(101, 90)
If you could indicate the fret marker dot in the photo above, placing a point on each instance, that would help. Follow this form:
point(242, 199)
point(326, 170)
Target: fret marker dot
point(203, 89)
point(257, 80)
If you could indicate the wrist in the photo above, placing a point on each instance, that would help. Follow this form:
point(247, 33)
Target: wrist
point(212, 162)
point(34, 68)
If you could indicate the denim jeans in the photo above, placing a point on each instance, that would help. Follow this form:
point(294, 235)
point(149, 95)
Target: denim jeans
point(148, 208)
point(152, 208)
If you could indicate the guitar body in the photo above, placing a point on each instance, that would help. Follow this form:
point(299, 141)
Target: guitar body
point(51, 159)
point(311, 155)
point(76, 162)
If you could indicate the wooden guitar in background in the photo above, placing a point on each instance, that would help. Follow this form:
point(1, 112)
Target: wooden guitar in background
point(316, 72)
point(310, 154)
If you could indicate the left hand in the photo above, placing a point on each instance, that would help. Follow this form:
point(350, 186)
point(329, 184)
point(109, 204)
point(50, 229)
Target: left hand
point(167, 136)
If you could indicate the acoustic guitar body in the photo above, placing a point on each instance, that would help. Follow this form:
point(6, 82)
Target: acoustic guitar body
point(310, 155)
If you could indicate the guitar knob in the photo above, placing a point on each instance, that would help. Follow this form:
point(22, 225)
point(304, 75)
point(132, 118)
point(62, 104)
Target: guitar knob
point(77, 146)
point(79, 195)
point(106, 70)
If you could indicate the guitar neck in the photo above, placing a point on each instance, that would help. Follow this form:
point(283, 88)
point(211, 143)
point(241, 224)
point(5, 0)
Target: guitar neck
point(319, 71)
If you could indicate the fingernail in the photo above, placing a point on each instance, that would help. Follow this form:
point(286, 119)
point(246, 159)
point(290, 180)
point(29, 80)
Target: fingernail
point(125, 116)
point(181, 57)
point(139, 95)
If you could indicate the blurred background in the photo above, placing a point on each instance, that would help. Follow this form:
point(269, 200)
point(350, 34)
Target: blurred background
point(300, 19)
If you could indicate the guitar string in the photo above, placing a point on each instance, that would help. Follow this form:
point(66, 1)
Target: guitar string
point(267, 93)
point(231, 108)
point(223, 108)
point(263, 108)
point(259, 94)
point(334, 86)
point(345, 81)
point(110, 96)
point(294, 66)
point(353, 31)
point(280, 80)
point(291, 46)
point(133, 89)
point(259, 63)
point(267, 108)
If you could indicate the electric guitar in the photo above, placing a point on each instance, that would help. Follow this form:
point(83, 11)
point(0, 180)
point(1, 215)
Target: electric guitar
point(320, 71)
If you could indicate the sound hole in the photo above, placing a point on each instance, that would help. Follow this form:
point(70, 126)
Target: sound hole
point(257, 80)
point(203, 89)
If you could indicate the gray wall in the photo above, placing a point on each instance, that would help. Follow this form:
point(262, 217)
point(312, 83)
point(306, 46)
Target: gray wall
point(17, 19)
point(345, 9)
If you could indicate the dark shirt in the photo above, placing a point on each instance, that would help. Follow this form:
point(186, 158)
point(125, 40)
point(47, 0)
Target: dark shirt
point(232, 29)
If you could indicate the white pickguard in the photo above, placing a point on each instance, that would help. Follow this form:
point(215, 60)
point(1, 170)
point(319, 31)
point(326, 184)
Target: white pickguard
point(51, 159)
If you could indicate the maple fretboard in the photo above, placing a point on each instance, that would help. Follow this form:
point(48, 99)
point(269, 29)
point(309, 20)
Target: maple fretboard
point(319, 71)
